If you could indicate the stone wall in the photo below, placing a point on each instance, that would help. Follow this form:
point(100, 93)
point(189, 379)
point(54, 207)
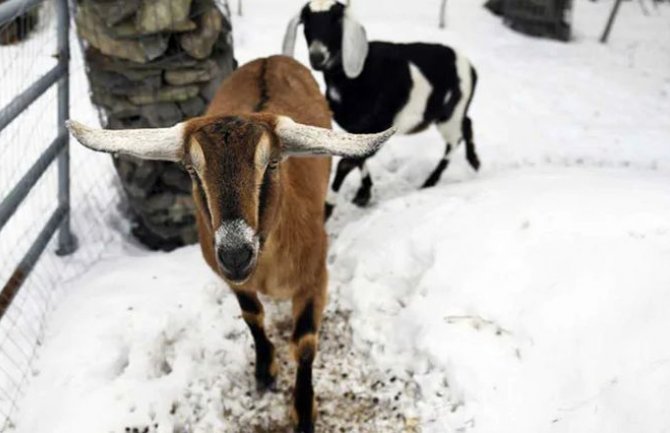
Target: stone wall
point(153, 63)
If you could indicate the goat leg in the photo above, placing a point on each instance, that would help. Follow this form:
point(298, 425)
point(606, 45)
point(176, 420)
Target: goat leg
point(307, 316)
point(266, 367)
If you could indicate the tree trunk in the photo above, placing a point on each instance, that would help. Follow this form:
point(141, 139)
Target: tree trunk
point(153, 63)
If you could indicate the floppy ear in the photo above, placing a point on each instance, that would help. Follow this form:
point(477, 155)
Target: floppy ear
point(165, 144)
point(304, 140)
point(354, 46)
point(288, 48)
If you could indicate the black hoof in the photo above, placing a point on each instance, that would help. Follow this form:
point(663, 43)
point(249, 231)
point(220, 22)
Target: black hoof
point(362, 198)
point(430, 182)
point(304, 429)
point(474, 162)
point(266, 382)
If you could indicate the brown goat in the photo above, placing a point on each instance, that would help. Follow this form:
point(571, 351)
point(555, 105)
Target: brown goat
point(260, 215)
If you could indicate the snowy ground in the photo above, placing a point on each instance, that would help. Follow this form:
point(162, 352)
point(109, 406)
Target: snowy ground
point(531, 297)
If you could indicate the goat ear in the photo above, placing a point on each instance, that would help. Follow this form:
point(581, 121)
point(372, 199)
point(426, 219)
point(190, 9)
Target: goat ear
point(304, 140)
point(165, 144)
point(288, 47)
point(354, 46)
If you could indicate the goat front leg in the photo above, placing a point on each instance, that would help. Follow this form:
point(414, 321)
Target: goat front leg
point(365, 191)
point(307, 311)
point(266, 367)
point(344, 167)
point(437, 172)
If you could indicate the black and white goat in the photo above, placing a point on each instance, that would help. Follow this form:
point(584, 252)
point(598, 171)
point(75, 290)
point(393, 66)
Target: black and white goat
point(374, 86)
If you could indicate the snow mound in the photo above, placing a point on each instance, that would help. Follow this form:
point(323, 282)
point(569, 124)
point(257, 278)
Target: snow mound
point(541, 294)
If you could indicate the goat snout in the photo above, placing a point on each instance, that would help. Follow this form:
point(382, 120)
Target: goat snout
point(236, 249)
point(318, 55)
point(236, 262)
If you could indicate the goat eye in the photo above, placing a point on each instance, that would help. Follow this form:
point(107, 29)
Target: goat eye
point(272, 165)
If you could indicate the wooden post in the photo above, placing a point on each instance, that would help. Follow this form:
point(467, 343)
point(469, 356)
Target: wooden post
point(610, 22)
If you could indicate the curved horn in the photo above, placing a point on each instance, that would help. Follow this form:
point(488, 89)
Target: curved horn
point(160, 143)
point(288, 47)
point(305, 140)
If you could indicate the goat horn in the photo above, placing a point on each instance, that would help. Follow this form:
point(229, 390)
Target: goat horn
point(157, 143)
point(305, 140)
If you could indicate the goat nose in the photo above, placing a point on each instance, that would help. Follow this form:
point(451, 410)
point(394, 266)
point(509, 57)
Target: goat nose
point(235, 260)
point(317, 58)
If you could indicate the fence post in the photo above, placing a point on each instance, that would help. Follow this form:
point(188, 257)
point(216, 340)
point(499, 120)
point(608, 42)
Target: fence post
point(610, 22)
point(443, 14)
point(67, 243)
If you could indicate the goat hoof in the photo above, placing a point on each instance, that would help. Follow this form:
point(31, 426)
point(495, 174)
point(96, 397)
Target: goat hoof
point(429, 183)
point(362, 198)
point(304, 429)
point(266, 383)
point(474, 162)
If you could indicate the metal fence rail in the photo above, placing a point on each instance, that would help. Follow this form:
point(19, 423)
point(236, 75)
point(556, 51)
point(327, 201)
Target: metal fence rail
point(57, 150)
point(24, 296)
point(36, 68)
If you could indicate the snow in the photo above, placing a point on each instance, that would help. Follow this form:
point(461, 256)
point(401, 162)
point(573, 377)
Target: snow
point(543, 296)
point(530, 297)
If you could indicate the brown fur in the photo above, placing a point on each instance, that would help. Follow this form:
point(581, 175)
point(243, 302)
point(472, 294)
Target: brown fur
point(295, 249)
point(292, 262)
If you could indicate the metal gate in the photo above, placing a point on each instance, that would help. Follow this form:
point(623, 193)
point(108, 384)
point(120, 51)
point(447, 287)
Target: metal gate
point(55, 152)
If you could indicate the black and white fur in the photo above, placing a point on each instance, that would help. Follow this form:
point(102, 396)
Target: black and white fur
point(373, 86)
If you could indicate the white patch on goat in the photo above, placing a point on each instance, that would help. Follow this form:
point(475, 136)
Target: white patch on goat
point(235, 233)
point(331, 197)
point(412, 113)
point(321, 5)
point(334, 94)
point(452, 129)
point(448, 96)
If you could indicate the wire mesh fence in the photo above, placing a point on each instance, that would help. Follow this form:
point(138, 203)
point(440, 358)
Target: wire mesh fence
point(27, 52)
point(145, 63)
